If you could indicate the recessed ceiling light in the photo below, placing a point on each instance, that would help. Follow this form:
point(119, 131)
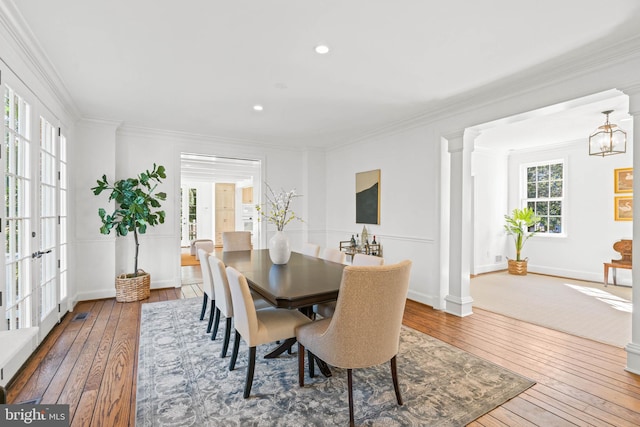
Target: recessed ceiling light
point(322, 49)
point(258, 107)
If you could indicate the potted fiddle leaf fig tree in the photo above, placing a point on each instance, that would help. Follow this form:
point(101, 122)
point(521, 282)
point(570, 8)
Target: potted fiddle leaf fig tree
point(137, 206)
point(517, 225)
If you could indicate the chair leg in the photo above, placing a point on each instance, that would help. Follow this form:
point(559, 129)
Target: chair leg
point(227, 336)
point(234, 351)
point(211, 315)
point(352, 422)
point(394, 376)
point(216, 322)
point(252, 366)
point(205, 299)
point(312, 364)
point(300, 365)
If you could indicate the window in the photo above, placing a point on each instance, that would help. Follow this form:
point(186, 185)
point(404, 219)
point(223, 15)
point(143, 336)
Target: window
point(545, 195)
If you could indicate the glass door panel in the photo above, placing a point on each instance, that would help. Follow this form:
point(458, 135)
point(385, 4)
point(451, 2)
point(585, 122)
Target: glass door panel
point(45, 258)
point(19, 301)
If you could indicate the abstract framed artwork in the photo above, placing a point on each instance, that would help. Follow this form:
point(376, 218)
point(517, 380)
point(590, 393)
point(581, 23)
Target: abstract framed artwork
point(623, 208)
point(368, 197)
point(623, 180)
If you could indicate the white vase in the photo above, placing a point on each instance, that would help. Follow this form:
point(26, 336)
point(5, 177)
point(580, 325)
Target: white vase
point(279, 250)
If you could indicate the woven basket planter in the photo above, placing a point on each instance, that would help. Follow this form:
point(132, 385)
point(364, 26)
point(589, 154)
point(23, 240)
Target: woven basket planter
point(518, 267)
point(130, 288)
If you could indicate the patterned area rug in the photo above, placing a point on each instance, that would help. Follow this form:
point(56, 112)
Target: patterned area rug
point(182, 381)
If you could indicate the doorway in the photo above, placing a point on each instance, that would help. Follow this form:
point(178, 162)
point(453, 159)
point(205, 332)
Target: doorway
point(217, 195)
point(34, 291)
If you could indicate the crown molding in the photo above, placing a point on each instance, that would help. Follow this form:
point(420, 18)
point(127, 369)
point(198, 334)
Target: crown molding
point(145, 132)
point(31, 52)
point(588, 59)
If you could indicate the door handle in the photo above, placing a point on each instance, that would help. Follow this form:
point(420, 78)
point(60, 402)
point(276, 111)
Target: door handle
point(39, 254)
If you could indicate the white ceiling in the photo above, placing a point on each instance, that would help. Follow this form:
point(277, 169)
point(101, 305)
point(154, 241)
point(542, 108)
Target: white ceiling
point(199, 66)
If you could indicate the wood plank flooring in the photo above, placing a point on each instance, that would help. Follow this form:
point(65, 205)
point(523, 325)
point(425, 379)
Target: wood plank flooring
point(91, 366)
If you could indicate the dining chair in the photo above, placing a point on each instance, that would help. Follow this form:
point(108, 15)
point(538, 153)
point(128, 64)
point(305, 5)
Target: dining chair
point(326, 309)
point(311, 249)
point(365, 329)
point(236, 241)
point(223, 304)
point(205, 244)
point(257, 327)
point(334, 255)
point(207, 287)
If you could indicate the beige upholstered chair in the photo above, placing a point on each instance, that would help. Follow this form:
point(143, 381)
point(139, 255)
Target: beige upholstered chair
point(311, 249)
point(236, 241)
point(223, 304)
point(365, 329)
point(207, 287)
point(257, 327)
point(334, 255)
point(327, 309)
point(205, 244)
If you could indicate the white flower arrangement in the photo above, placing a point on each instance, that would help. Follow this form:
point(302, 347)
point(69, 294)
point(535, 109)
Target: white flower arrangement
point(278, 208)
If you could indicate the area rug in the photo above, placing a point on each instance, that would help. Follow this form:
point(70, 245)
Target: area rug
point(182, 381)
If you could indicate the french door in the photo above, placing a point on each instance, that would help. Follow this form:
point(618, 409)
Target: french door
point(34, 167)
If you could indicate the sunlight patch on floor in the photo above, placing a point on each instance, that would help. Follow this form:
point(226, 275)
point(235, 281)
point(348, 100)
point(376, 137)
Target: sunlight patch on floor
point(614, 301)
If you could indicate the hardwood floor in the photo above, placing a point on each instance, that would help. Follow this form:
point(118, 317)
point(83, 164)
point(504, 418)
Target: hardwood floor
point(91, 365)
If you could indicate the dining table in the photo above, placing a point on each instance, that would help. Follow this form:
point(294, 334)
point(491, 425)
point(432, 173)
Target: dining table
point(299, 284)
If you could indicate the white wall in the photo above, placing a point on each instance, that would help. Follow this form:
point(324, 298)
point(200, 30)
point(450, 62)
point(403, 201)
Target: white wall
point(128, 152)
point(409, 214)
point(489, 207)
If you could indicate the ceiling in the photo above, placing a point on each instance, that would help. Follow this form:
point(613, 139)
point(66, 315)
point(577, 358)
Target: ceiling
point(199, 66)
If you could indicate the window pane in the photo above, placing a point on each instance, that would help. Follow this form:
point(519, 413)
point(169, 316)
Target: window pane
point(555, 208)
point(556, 188)
point(556, 171)
point(555, 224)
point(543, 189)
point(531, 205)
point(543, 224)
point(543, 173)
point(531, 174)
point(542, 208)
point(531, 191)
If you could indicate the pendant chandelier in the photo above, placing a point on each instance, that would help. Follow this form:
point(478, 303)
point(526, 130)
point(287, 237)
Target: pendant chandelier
point(607, 140)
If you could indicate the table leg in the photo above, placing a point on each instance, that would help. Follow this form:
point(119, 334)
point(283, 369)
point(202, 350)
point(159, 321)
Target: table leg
point(614, 275)
point(606, 275)
point(285, 346)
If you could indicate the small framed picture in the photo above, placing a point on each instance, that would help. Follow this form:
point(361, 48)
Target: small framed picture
point(623, 180)
point(623, 208)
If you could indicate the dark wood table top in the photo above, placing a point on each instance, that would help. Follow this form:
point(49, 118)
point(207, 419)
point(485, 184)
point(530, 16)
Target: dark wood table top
point(302, 282)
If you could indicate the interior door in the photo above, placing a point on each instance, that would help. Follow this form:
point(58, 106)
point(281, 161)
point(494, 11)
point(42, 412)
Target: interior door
point(34, 167)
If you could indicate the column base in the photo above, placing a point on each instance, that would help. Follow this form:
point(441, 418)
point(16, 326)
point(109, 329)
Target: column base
point(457, 306)
point(633, 358)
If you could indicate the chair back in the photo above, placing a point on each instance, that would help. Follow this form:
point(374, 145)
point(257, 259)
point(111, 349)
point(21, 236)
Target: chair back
point(334, 255)
point(362, 259)
point(221, 286)
point(365, 328)
point(245, 318)
point(311, 249)
point(207, 282)
point(236, 241)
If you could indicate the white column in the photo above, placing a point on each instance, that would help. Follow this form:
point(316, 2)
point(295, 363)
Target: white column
point(633, 348)
point(459, 301)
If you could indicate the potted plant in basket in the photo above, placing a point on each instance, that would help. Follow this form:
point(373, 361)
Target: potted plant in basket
point(278, 211)
point(137, 204)
point(517, 225)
